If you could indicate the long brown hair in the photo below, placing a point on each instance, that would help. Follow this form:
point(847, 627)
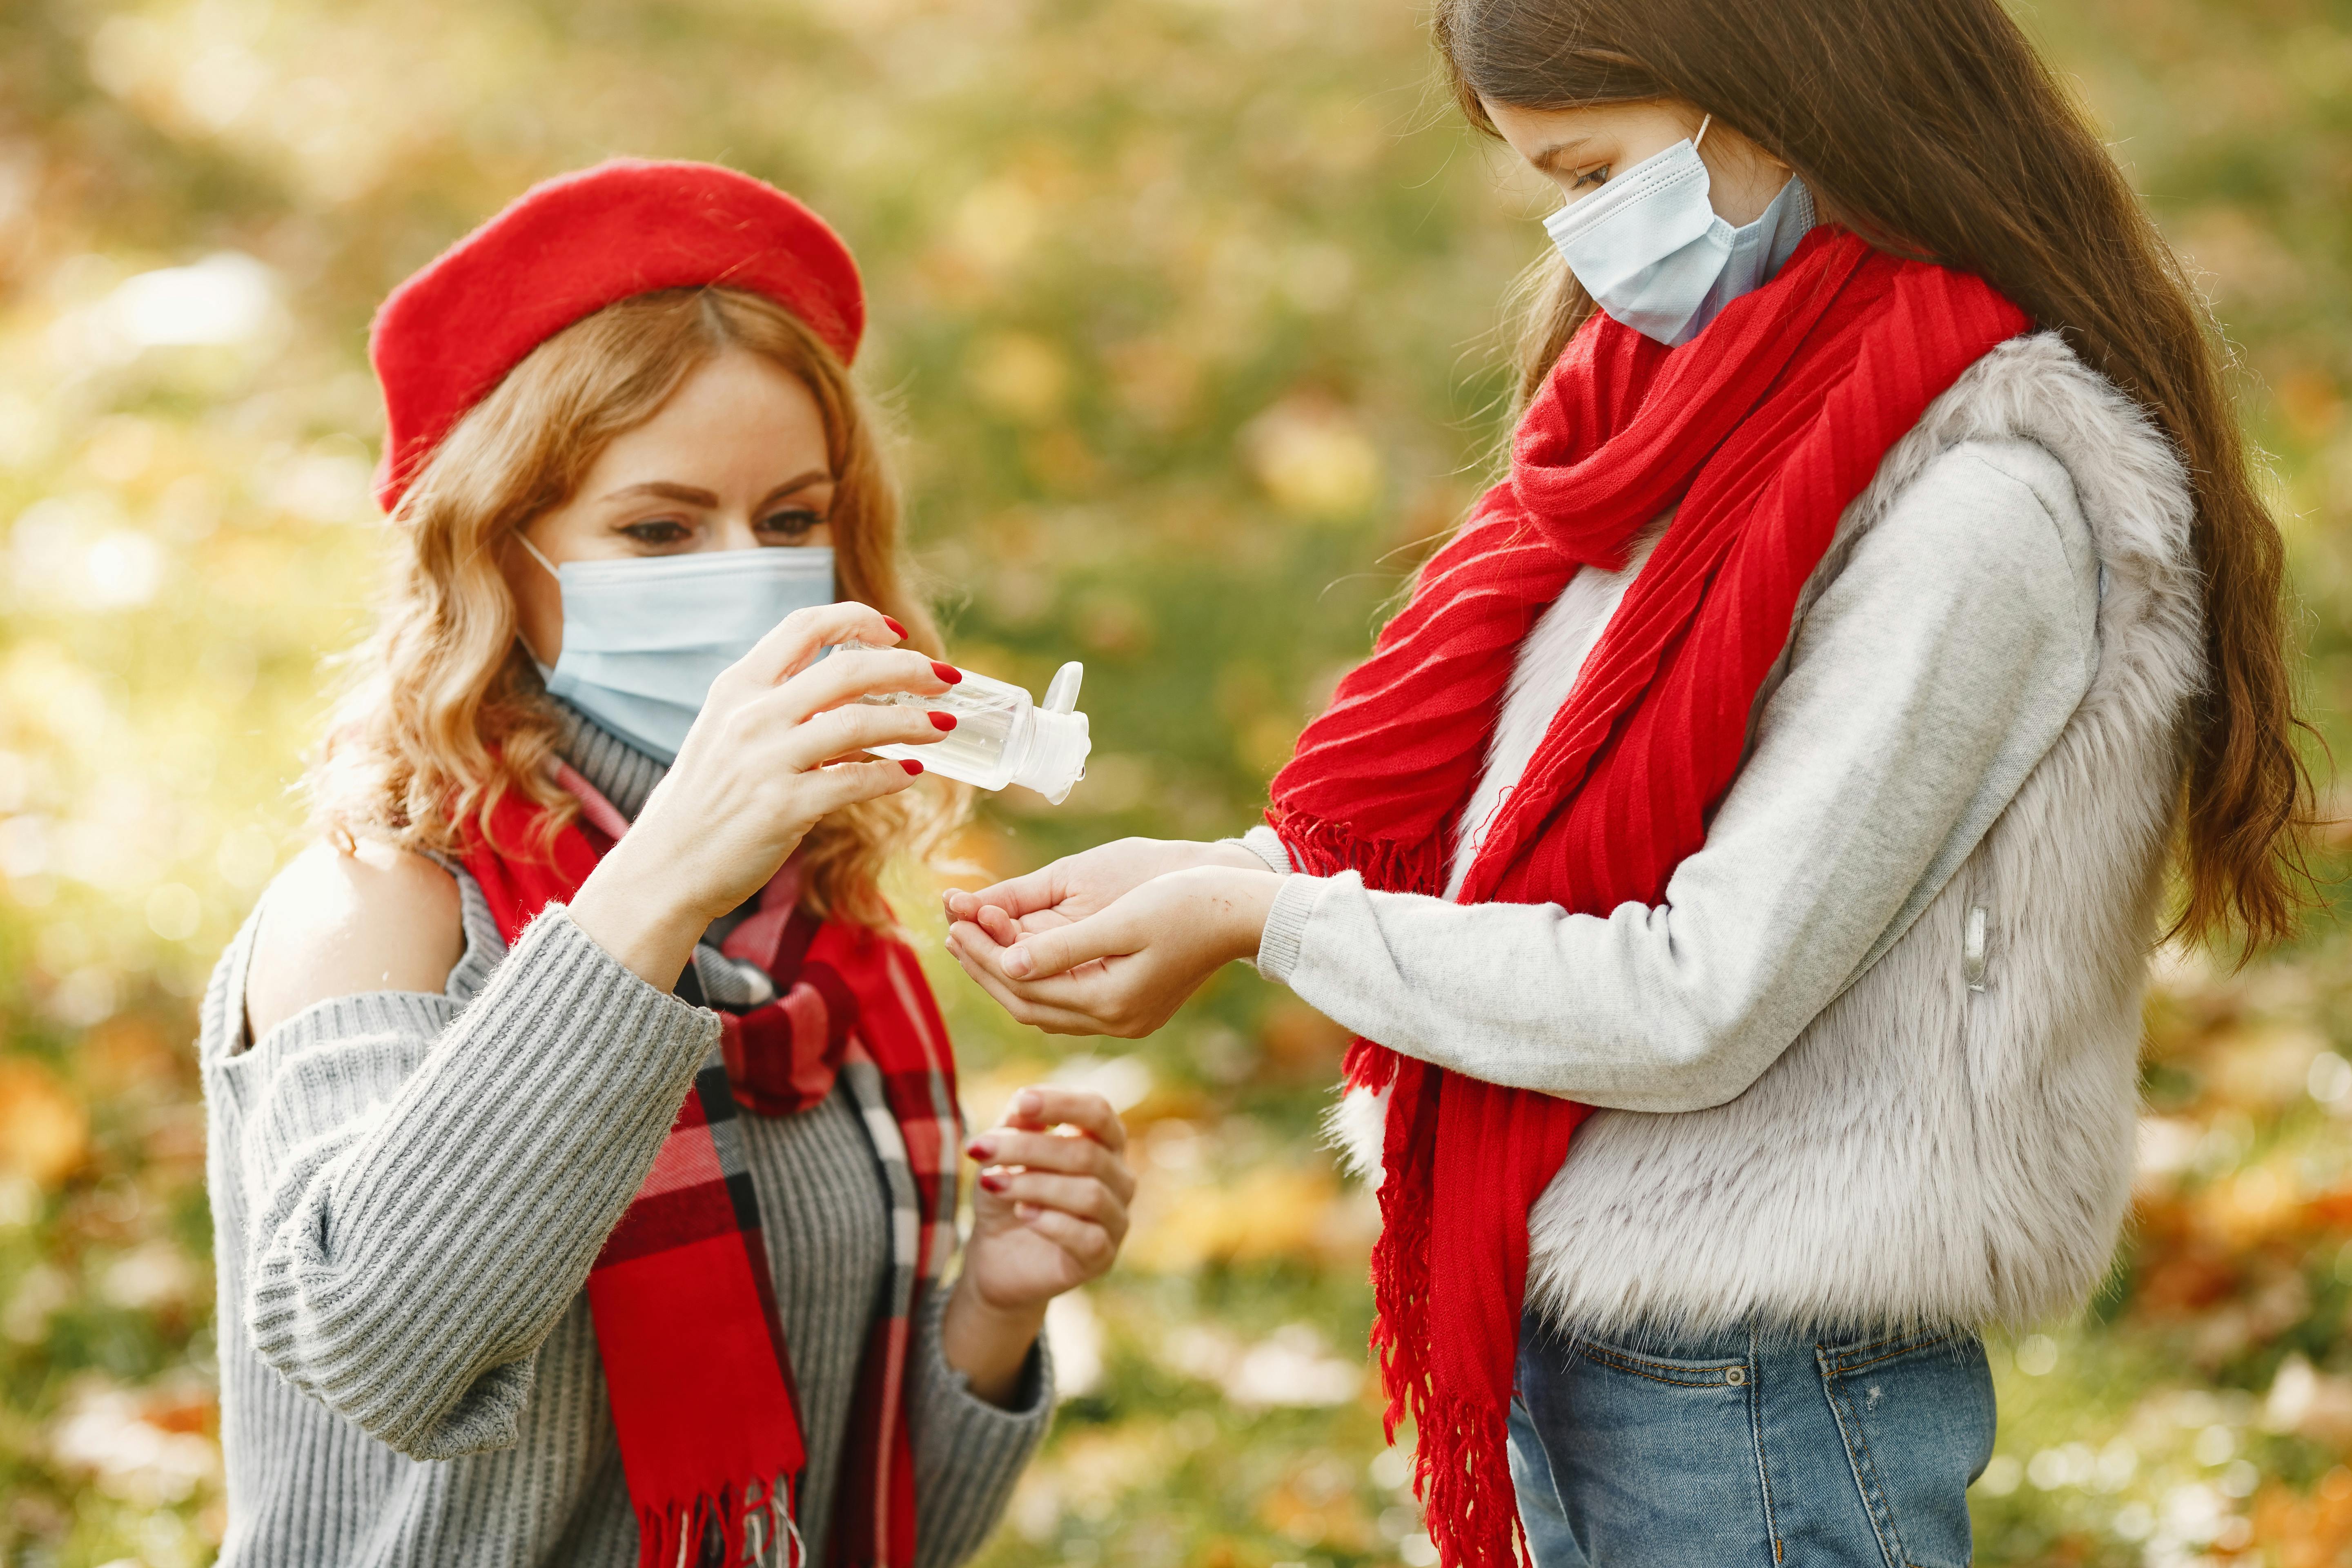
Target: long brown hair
point(448, 713)
point(1934, 129)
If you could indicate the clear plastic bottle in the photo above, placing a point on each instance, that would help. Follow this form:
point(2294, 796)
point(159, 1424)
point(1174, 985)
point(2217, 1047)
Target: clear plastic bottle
point(1001, 736)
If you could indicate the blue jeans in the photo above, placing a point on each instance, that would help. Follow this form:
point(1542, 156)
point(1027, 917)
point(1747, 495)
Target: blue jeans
point(1825, 1451)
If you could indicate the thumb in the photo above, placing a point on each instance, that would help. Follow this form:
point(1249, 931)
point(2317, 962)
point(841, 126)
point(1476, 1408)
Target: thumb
point(1040, 956)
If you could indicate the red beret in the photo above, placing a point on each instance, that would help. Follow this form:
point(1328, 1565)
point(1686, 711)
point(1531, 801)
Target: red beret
point(567, 249)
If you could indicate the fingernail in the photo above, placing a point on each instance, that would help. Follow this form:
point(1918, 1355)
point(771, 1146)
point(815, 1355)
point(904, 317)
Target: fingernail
point(993, 1181)
point(1028, 1102)
point(1026, 1211)
point(1017, 964)
point(912, 765)
point(895, 629)
point(979, 1149)
point(942, 720)
point(946, 672)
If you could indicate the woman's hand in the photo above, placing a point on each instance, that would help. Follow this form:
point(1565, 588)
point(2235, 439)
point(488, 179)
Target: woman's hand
point(1083, 884)
point(764, 762)
point(1124, 969)
point(1049, 1215)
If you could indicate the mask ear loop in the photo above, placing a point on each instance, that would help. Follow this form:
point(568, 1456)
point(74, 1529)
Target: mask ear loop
point(1695, 142)
point(524, 539)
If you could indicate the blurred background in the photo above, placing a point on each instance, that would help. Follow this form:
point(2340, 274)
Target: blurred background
point(1189, 311)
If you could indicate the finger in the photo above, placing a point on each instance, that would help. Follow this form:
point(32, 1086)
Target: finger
point(1078, 1196)
point(794, 642)
point(843, 732)
point(1040, 956)
point(1043, 1105)
point(977, 947)
point(852, 673)
point(998, 924)
point(1017, 896)
point(1084, 1240)
point(1037, 1013)
point(1052, 1151)
point(846, 783)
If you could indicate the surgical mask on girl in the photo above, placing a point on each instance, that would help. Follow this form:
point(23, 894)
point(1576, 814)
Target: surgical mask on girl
point(644, 637)
point(1650, 251)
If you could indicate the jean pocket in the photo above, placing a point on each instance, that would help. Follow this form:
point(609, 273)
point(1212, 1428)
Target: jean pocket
point(1727, 1371)
point(1652, 1455)
point(1916, 1413)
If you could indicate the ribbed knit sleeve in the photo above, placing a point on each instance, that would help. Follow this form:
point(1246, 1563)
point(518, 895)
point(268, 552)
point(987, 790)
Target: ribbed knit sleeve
point(1265, 843)
point(968, 1452)
point(428, 1185)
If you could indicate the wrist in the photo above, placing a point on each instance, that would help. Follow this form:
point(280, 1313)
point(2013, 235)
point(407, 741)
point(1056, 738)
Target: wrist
point(989, 1343)
point(1238, 900)
point(633, 909)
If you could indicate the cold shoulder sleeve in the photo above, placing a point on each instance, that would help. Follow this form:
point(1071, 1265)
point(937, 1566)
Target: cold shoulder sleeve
point(426, 1184)
point(1933, 671)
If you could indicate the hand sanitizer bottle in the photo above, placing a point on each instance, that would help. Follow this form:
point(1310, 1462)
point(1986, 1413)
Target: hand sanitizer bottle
point(1001, 736)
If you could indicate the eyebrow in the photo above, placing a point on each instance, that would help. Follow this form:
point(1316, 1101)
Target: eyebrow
point(688, 495)
point(813, 478)
point(662, 489)
point(1551, 155)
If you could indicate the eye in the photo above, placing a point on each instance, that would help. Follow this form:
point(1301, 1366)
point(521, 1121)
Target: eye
point(1596, 176)
point(658, 532)
point(792, 522)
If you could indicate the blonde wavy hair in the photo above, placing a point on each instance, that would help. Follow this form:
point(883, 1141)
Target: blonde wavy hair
point(446, 715)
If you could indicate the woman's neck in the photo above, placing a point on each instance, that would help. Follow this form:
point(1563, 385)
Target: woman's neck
point(622, 773)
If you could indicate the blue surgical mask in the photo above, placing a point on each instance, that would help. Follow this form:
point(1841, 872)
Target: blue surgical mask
point(643, 637)
point(1651, 251)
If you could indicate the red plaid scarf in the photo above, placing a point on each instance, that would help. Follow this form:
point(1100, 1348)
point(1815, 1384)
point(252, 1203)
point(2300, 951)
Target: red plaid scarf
point(694, 1361)
point(1755, 436)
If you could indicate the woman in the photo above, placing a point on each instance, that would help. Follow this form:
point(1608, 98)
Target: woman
point(582, 1135)
point(1782, 767)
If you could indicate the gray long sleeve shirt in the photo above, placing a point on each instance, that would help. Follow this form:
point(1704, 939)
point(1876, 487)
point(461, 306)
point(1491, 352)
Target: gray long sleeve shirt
point(1932, 671)
point(408, 1190)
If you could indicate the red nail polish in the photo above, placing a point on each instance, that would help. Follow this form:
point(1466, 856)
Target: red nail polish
point(991, 1180)
point(980, 1150)
point(895, 629)
point(946, 672)
point(912, 765)
point(942, 721)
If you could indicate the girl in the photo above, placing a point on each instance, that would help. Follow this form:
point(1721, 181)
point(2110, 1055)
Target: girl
point(582, 1136)
point(1781, 768)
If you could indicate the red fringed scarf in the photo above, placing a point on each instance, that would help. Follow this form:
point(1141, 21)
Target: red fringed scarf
point(1755, 436)
point(695, 1362)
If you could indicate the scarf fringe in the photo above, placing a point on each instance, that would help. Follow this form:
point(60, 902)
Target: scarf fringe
point(1462, 1467)
point(1323, 848)
point(749, 1524)
point(1462, 1470)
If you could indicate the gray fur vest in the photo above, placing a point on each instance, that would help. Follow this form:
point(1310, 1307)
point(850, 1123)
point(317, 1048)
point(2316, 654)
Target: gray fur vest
point(1949, 1142)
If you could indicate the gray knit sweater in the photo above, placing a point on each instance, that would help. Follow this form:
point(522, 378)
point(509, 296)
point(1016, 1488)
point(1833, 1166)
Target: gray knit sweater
point(408, 1190)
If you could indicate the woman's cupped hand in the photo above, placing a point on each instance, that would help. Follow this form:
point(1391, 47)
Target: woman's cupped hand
point(778, 746)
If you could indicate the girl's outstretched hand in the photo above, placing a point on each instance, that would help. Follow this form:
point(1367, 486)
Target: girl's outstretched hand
point(1125, 968)
point(1049, 1215)
point(1086, 883)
